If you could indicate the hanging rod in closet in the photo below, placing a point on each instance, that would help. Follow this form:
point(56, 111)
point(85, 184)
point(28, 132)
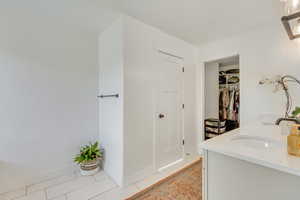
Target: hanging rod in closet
point(111, 95)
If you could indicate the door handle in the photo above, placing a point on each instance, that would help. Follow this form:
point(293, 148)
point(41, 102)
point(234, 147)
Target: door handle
point(161, 116)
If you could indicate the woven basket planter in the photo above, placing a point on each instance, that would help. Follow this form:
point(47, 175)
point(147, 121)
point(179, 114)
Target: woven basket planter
point(90, 168)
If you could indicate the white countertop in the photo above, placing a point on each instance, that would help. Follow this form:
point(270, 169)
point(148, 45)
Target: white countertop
point(275, 158)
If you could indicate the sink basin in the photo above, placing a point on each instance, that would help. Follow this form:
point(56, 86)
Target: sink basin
point(255, 142)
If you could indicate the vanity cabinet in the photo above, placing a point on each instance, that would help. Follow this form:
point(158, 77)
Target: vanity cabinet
point(229, 178)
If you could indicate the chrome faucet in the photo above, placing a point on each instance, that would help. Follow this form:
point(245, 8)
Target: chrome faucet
point(297, 121)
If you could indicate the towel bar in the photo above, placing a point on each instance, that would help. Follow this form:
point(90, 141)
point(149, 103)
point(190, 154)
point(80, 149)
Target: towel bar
point(106, 96)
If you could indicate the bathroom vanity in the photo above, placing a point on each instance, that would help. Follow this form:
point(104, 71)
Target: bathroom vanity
point(250, 163)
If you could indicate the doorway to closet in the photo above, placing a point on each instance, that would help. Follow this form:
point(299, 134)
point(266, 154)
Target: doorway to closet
point(169, 135)
point(222, 96)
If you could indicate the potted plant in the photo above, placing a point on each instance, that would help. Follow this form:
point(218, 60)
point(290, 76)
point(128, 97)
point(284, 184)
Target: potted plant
point(296, 112)
point(89, 158)
point(281, 83)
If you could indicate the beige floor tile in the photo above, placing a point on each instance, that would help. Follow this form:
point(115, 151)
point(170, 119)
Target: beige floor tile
point(97, 187)
point(70, 186)
point(187, 161)
point(60, 198)
point(40, 195)
point(13, 194)
point(93, 190)
point(143, 184)
point(118, 193)
point(100, 176)
point(49, 183)
point(154, 178)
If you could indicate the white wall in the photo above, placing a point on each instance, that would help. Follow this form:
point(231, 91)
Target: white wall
point(128, 56)
point(263, 53)
point(48, 105)
point(141, 45)
point(212, 90)
point(111, 109)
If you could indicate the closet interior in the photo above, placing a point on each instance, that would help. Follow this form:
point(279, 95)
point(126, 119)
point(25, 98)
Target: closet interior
point(222, 96)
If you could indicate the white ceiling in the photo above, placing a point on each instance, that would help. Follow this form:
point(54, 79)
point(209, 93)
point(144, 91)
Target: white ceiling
point(200, 21)
point(196, 21)
point(78, 15)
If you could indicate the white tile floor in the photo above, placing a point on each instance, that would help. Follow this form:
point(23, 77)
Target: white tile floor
point(97, 187)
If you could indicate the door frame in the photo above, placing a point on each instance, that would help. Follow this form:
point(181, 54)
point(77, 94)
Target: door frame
point(201, 102)
point(159, 56)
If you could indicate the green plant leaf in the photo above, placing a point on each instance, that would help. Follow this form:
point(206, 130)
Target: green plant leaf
point(88, 153)
point(296, 112)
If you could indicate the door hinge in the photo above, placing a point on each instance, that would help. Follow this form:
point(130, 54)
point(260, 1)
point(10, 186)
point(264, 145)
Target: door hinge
point(182, 142)
point(183, 69)
point(182, 106)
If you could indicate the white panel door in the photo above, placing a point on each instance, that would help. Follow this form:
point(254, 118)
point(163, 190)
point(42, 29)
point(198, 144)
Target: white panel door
point(169, 113)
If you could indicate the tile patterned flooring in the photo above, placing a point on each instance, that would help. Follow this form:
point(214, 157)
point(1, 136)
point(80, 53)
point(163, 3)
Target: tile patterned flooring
point(97, 187)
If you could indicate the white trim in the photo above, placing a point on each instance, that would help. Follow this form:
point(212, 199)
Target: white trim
point(159, 53)
point(205, 175)
point(201, 89)
point(170, 165)
point(183, 109)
